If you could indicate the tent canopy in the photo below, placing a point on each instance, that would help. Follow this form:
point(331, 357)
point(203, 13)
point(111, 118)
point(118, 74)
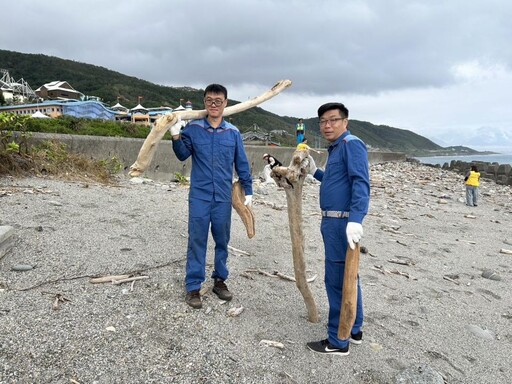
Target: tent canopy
point(39, 115)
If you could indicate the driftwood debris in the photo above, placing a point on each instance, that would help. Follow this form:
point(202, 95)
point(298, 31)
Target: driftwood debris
point(349, 296)
point(237, 252)
point(245, 212)
point(275, 274)
point(506, 251)
point(401, 262)
point(116, 279)
point(128, 279)
point(108, 279)
point(448, 278)
point(292, 178)
point(272, 343)
point(150, 145)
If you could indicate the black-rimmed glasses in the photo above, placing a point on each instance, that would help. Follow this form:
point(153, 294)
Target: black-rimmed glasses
point(216, 102)
point(331, 121)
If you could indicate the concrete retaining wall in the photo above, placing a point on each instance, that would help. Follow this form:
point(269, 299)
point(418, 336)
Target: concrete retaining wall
point(165, 164)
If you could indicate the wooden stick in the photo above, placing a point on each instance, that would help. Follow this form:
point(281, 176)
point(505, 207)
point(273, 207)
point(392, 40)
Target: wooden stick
point(238, 252)
point(107, 279)
point(349, 293)
point(450, 279)
point(506, 251)
point(127, 280)
point(401, 262)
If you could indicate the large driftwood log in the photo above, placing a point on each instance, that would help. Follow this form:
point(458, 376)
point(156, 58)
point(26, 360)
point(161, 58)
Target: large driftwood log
point(349, 293)
point(150, 145)
point(292, 178)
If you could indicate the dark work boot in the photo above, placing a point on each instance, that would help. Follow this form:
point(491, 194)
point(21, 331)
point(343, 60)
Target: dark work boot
point(221, 290)
point(193, 299)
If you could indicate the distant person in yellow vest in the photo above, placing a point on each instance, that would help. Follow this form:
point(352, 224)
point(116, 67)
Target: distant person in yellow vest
point(472, 181)
point(303, 146)
point(300, 131)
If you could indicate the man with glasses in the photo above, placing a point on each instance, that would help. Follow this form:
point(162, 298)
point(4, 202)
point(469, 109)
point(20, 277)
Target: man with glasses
point(344, 200)
point(216, 148)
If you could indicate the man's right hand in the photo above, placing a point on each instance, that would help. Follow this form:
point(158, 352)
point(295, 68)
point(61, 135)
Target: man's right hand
point(312, 165)
point(176, 128)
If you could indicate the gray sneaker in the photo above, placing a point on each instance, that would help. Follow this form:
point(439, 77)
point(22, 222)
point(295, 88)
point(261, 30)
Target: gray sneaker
point(221, 290)
point(193, 299)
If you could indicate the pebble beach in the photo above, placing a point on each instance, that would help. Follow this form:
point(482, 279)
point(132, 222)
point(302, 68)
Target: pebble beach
point(436, 286)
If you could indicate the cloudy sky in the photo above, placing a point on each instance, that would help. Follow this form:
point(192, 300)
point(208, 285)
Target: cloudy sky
point(440, 68)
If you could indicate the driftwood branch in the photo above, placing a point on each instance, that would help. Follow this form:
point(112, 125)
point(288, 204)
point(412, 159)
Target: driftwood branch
point(349, 293)
point(150, 145)
point(275, 274)
point(128, 279)
point(292, 178)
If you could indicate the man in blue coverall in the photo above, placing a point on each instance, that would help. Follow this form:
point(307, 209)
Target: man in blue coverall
point(344, 200)
point(216, 148)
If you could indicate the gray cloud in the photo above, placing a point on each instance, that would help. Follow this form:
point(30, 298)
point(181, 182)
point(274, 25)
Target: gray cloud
point(327, 48)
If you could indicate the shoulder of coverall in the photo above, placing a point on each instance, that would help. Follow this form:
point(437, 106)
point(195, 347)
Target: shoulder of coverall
point(347, 136)
point(227, 125)
point(203, 123)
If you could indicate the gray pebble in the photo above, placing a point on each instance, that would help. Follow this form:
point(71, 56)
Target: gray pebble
point(22, 267)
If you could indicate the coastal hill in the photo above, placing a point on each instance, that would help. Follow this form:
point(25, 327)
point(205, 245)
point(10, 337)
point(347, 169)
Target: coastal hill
point(113, 87)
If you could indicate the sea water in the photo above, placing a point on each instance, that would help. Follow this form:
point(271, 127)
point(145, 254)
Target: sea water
point(500, 158)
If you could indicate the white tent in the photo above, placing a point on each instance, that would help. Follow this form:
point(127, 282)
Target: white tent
point(39, 115)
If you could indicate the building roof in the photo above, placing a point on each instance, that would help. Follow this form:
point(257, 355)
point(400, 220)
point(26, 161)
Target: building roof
point(138, 108)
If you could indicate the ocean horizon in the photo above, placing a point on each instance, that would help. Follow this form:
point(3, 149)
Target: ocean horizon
point(500, 158)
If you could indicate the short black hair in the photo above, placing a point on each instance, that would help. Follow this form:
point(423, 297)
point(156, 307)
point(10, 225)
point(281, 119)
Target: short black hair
point(474, 168)
point(329, 106)
point(216, 88)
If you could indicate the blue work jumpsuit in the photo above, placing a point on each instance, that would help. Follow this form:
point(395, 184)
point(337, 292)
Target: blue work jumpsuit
point(345, 187)
point(215, 152)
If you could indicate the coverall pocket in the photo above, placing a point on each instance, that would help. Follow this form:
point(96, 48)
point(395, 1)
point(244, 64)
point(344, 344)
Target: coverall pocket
point(227, 149)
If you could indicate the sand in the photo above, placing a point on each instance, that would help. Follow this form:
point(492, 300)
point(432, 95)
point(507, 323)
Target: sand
point(444, 313)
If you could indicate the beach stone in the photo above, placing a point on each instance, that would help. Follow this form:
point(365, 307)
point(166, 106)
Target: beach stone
point(422, 374)
point(491, 275)
point(479, 332)
point(22, 267)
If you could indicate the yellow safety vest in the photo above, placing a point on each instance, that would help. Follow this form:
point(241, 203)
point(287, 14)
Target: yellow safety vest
point(473, 179)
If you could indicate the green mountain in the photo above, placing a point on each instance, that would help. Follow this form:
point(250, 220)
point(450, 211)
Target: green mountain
point(111, 86)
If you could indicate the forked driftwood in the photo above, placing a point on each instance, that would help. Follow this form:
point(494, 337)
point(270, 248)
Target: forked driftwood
point(150, 145)
point(292, 178)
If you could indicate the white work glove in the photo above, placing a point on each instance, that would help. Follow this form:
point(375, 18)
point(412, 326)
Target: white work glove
point(312, 165)
point(248, 200)
point(354, 233)
point(176, 128)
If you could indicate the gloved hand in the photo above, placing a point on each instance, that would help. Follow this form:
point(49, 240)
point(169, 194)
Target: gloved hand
point(248, 200)
point(176, 128)
point(354, 233)
point(312, 165)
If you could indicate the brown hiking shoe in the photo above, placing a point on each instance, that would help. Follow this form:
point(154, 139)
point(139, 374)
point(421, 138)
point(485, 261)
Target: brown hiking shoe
point(193, 299)
point(221, 290)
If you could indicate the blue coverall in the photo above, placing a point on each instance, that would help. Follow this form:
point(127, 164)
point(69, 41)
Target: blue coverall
point(214, 152)
point(345, 186)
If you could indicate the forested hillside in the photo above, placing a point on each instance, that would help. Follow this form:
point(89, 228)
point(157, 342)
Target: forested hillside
point(112, 86)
